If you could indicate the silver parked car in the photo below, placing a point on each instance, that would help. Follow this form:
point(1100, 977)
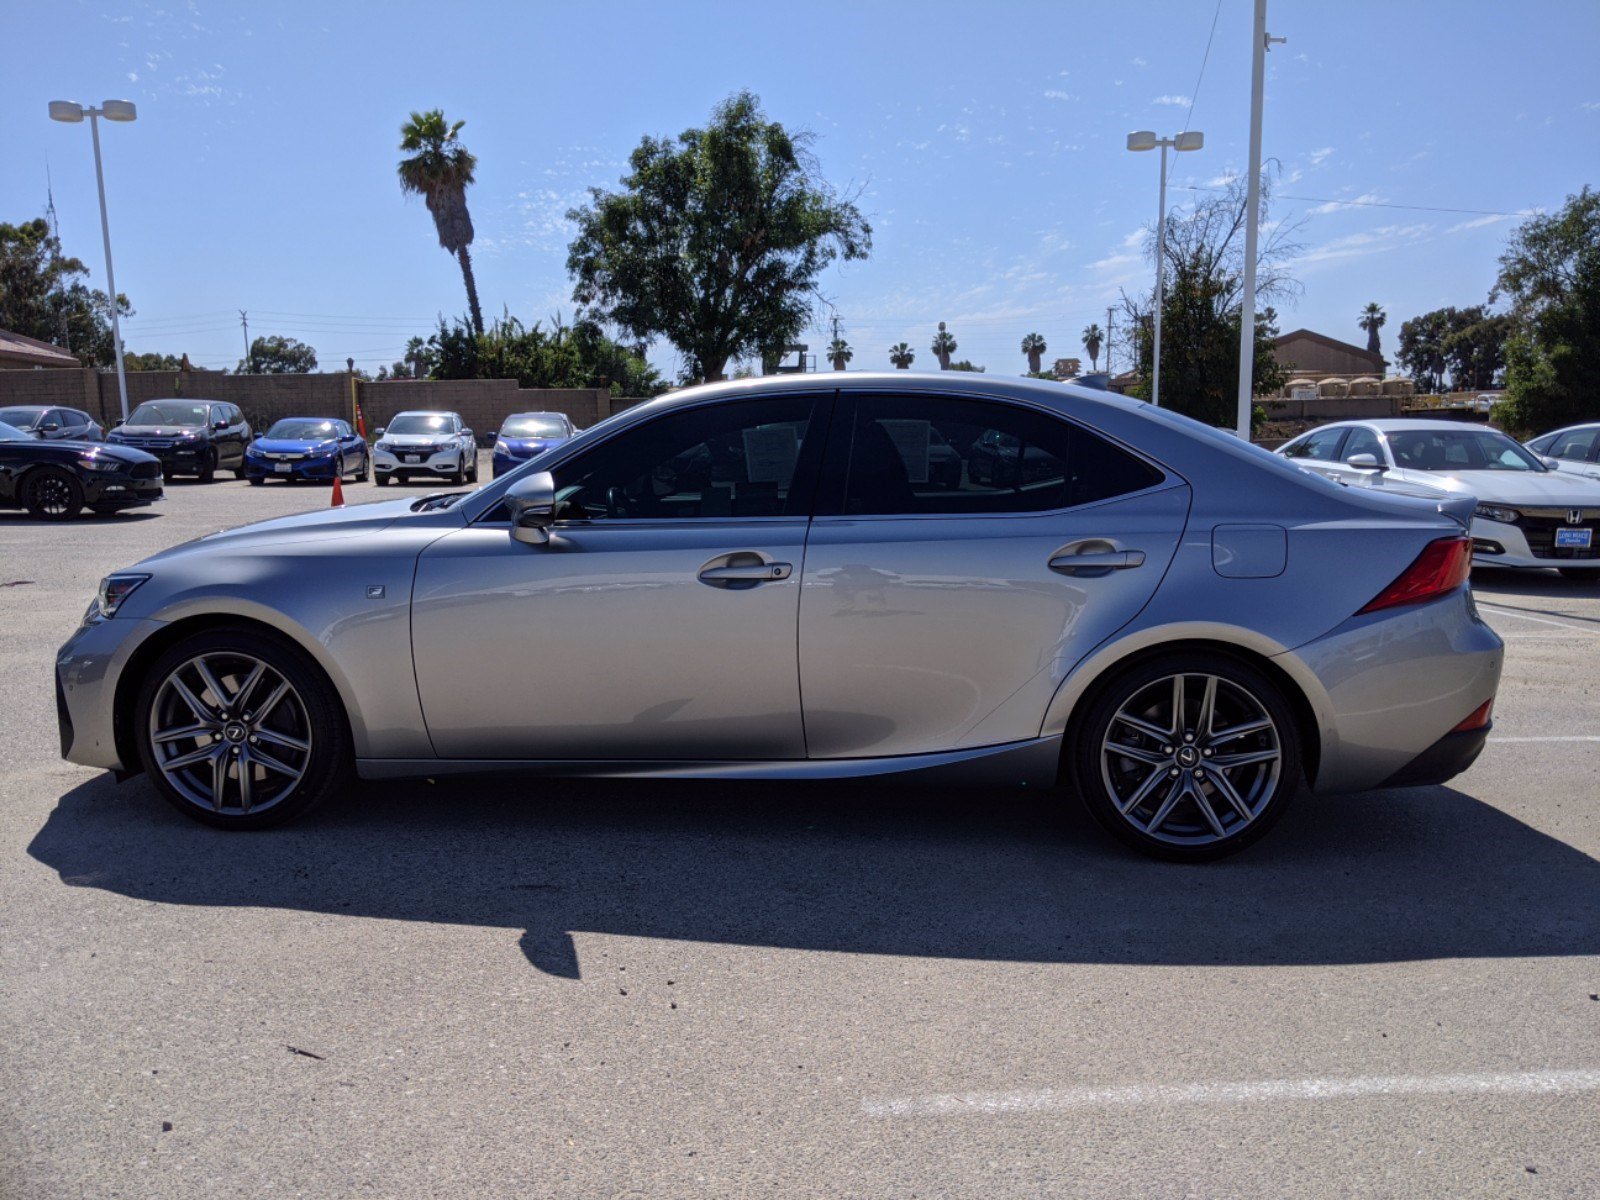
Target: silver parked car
point(425, 443)
point(1527, 515)
point(770, 579)
point(1575, 448)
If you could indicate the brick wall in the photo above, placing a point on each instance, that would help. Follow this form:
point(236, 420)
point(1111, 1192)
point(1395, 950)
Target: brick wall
point(69, 386)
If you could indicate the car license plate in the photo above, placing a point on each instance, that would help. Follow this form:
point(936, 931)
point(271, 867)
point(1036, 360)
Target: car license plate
point(1574, 539)
point(282, 468)
point(413, 458)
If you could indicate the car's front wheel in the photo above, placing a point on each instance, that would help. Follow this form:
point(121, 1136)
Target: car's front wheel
point(1189, 758)
point(52, 494)
point(241, 730)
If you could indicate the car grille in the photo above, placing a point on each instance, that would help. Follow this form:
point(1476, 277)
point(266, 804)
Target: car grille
point(1539, 526)
point(145, 443)
point(287, 457)
point(145, 470)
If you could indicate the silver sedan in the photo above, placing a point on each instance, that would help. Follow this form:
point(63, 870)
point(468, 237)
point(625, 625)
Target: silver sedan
point(790, 579)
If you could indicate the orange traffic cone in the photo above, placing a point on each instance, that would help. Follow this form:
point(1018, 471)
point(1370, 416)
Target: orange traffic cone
point(338, 492)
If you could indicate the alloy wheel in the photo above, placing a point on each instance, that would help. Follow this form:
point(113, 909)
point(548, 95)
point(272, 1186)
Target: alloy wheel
point(230, 733)
point(53, 496)
point(1191, 759)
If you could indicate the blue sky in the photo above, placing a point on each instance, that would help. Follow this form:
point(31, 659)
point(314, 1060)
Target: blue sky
point(987, 141)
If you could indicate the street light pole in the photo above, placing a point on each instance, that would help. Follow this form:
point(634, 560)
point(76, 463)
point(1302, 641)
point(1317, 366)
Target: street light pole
point(1252, 222)
point(112, 110)
point(1146, 140)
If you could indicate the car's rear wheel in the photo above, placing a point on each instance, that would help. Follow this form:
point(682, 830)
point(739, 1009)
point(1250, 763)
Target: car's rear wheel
point(472, 468)
point(52, 494)
point(241, 730)
point(1188, 758)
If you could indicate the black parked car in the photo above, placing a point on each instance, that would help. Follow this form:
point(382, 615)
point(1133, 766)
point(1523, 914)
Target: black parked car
point(190, 437)
point(52, 424)
point(55, 479)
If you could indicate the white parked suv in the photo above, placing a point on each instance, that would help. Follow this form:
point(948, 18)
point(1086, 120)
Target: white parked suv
point(426, 443)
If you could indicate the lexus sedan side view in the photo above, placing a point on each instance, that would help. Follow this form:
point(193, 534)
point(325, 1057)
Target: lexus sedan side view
point(307, 448)
point(762, 580)
point(1527, 515)
point(425, 443)
point(190, 437)
point(528, 435)
point(1575, 448)
point(56, 480)
point(53, 424)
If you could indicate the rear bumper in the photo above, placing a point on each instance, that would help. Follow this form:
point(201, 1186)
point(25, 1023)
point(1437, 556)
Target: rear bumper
point(1499, 545)
point(1445, 759)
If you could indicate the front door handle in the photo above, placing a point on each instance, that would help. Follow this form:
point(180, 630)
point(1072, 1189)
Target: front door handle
point(1097, 562)
point(758, 572)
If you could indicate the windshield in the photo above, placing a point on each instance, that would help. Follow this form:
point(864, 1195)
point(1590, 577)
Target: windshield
point(303, 429)
point(420, 423)
point(9, 433)
point(534, 427)
point(1459, 450)
point(170, 412)
point(21, 418)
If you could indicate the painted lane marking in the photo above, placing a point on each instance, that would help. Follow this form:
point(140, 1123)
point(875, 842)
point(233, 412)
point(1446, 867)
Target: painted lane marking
point(1522, 616)
point(1574, 737)
point(1522, 1083)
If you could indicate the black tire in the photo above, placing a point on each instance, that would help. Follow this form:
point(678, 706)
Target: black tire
point(1581, 574)
point(257, 480)
point(472, 471)
point(208, 469)
point(1188, 829)
point(239, 472)
point(338, 470)
point(384, 478)
point(52, 494)
point(314, 712)
point(460, 473)
point(366, 468)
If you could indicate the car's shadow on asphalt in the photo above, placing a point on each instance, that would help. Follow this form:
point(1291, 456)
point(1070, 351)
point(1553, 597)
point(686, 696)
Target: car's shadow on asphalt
point(1380, 877)
point(83, 518)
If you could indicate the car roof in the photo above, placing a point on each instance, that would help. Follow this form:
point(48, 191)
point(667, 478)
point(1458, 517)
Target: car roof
point(1406, 425)
point(425, 412)
point(560, 415)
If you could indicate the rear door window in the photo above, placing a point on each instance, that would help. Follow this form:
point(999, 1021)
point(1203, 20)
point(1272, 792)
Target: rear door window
point(1321, 445)
point(1575, 443)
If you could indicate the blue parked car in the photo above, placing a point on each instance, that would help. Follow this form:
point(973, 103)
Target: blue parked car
point(307, 448)
point(527, 435)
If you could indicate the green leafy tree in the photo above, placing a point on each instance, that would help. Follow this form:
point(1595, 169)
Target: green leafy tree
point(717, 239)
point(1550, 273)
point(944, 345)
point(577, 356)
point(278, 356)
point(839, 353)
point(1093, 338)
point(1372, 320)
point(1034, 347)
point(902, 356)
point(43, 295)
point(1464, 345)
point(1421, 348)
point(439, 168)
point(967, 365)
point(152, 362)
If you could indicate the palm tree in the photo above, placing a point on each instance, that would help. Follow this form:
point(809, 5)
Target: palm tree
point(839, 351)
point(1372, 319)
point(1033, 346)
point(901, 355)
point(944, 345)
point(440, 170)
point(1092, 337)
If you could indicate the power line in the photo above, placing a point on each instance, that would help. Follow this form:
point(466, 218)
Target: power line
point(1477, 212)
point(1194, 97)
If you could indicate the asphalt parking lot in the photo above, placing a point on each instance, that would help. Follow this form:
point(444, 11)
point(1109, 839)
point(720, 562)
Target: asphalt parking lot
point(675, 990)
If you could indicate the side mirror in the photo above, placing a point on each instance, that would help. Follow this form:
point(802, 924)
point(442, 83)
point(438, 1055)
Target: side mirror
point(220, 423)
point(50, 427)
point(532, 502)
point(1364, 462)
point(378, 432)
point(1553, 463)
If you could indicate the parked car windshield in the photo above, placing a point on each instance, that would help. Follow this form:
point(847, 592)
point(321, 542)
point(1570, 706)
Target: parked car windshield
point(419, 423)
point(170, 412)
point(1459, 450)
point(21, 418)
point(302, 428)
point(10, 434)
point(534, 427)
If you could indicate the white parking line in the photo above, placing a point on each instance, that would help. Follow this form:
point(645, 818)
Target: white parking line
point(1522, 616)
point(1142, 1095)
point(1573, 737)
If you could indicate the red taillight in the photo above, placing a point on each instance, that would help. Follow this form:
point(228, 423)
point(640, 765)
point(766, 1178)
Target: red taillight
point(1441, 567)
point(1478, 719)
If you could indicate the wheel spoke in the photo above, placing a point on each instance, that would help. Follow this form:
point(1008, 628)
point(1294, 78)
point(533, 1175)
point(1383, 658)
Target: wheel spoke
point(1176, 793)
point(241, 698)
point(1231, 794)
point(1227, 762)
point(1153, 757)
point(1143, 726)
point(1142, 793)
point(219, 780)
point(275, 738)
point(1208, 710)
point(164, 736)
point(1238, 731)
point(246, 782)
point(1203, 803)
point(1177, 707)
point(196, 705)
point(191, 758)
point(274, 764)
point(213, 684)
point(278, 693)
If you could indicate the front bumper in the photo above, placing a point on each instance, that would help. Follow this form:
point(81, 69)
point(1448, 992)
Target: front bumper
point(110, 491)
point(1497, 544)
point(397, 462)
point(88, 666)
point(185, 459)
point(1387, 686)
point(299, 468)
point(503, 462)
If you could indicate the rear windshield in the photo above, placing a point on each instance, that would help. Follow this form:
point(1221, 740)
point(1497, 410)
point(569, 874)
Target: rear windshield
point(170, 412)
point(420, 423)
point(534, 427)
point(1459, 450)
point(301, 428)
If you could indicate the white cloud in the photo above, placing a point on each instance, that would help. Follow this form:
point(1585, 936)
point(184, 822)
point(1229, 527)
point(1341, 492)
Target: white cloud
point(1057, 94)
point(1476, 223)
point(133, 77)
point(1336, 205)
point(1590, 106)
point(1170, 98)
point(1318, 157)
point(1139, 62)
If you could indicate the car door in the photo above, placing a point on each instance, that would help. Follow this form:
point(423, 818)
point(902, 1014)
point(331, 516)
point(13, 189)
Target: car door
point(55, 426)
point(351, 445)
point(658, 622)
point(935, 616)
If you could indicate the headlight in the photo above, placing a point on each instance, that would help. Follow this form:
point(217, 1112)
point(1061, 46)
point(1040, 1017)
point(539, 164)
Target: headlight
point(188, 437)
point(1493, 512)
point(114, 589)
point(500, 446)
point(100, 464)
point(384, 446)
point(252, 450)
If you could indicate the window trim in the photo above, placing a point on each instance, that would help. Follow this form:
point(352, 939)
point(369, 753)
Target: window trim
point(827, 414)
point(837, 458)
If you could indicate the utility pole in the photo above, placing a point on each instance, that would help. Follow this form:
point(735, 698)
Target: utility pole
point(249, 359)
point(1109, 328)
point(1260, 41)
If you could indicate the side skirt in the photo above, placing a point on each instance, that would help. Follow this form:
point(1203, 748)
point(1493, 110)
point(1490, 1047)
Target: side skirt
point(1032, 763)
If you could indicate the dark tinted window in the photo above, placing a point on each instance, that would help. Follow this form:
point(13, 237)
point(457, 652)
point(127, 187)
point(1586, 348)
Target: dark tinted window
point(740, 459)
point(1575, 443)
point(913, 454)
point(1362, 441)
point(1460, 450)
point(1323, 445)
point(182, 413)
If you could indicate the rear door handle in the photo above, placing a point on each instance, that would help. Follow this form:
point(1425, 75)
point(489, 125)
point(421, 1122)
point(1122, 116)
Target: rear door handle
point(747, 573)
point(1098, 562)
